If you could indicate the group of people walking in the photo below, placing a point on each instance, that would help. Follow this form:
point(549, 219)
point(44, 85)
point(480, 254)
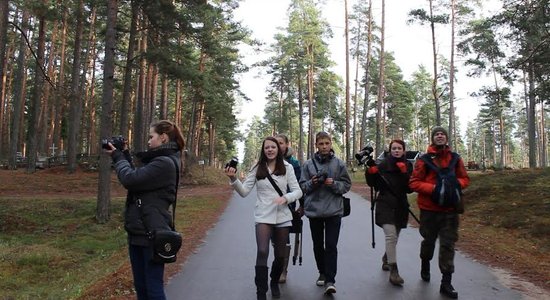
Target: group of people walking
point(319, 185)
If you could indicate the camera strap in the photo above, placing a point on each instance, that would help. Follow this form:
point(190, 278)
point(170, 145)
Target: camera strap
point(276, 187)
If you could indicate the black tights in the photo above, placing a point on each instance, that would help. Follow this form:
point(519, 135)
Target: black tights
point(266, 232)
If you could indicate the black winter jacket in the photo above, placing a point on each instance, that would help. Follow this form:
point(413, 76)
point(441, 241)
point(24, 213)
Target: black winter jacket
point(155, 185)
point(392, 206)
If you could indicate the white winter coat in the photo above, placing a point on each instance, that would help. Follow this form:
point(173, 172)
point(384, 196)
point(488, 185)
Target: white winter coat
point(266, 211)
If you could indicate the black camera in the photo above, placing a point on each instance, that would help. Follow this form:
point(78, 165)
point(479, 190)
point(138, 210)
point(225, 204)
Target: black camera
point(363, 155)
point(321, 176)
point(117, 141)
point(232, 163)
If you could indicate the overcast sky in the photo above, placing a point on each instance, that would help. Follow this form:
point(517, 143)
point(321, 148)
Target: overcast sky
point(411, 46)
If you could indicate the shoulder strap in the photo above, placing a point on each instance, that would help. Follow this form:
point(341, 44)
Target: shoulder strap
point(275, 186)
point(314, 164)
point(176, 194)
point(429, 162)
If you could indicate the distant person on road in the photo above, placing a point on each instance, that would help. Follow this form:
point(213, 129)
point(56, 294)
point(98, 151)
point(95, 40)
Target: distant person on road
point(287, 155)
point(153, 186)
point(436, 220)
point(324, 180)
point(390, 178)
point(271, 213)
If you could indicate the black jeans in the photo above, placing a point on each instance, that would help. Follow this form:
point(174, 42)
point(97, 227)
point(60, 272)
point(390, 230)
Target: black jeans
point(440, 225)
point(325, 233)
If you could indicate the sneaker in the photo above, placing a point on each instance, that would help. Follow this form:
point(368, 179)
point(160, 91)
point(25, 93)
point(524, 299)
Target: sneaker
point(330, 288)
point(320, 280)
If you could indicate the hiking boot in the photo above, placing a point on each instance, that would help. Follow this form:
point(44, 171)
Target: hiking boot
point(385, 265)
point(330, 288)
point(321, 280)
point(395, 279)
point(448, 290)
point(425, 270)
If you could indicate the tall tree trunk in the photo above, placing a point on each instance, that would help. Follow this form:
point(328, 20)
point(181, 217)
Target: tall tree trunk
point(87, 84)
point(164, 98)
point(104, 188)
point(301, 118)
point(310, 74)
point(348, 106)
point(4, 15)
point(139, 119)
point(381, 90)
point(435, 92)
point(75, 104)
point(531, 127)
point(61, 93)
point(36, 106)
point(18, 98)
point(49, 106)
point(367, 70)
point(452, 135)
point(542, 134)
point(128, 70)
point(178, 104)
point(356, 88)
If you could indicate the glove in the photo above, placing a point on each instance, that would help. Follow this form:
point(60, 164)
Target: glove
point(117, 156)
point(371, 162)
point(373, 170)
point(402, 166)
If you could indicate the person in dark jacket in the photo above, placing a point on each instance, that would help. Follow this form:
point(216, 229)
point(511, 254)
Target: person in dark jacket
point(151, 192)
point(284, 145)
point(390, 178)
point(324, 180)
point(437, 221)
point(271, 213)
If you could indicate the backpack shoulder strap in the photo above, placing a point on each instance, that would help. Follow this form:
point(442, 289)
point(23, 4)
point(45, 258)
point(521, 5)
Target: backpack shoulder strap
point(427, 159)
point(454, 159)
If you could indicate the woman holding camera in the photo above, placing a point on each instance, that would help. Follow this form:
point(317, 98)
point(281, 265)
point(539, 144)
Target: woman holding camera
point(151, 191)
point(271, 213)
point(391, 179)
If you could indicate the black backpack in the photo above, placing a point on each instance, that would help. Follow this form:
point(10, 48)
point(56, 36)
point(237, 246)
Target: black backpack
point(447, 190)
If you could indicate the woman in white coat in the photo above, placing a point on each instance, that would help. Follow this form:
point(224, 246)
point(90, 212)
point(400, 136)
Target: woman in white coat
point(271, 213)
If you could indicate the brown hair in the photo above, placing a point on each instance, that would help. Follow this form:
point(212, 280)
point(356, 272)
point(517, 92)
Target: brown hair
point(322, 135)
point(400, 142)
point(280, 169)
point(171, 130)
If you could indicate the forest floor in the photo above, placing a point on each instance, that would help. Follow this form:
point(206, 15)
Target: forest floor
point(506, 224)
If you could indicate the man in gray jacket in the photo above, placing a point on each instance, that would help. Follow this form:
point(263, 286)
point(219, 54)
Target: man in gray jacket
point(324, 180)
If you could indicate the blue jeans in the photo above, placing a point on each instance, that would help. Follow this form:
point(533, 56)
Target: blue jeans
point(325, 233)
point(148, 276)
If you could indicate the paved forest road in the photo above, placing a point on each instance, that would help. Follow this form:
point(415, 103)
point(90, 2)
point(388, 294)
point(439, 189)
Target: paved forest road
point(223, 267)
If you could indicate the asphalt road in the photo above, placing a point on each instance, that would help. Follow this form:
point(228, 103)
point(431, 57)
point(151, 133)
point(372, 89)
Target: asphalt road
point(223, 267)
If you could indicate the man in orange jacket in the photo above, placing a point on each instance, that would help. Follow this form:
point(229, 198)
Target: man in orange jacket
point(437, 220)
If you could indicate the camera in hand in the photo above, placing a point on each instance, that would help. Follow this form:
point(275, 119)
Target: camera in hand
point(232, 163)
point(321, 176)
point(364, 155)
point(117, 141)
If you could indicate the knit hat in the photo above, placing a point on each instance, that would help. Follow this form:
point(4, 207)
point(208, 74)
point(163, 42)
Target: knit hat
point(437, 129)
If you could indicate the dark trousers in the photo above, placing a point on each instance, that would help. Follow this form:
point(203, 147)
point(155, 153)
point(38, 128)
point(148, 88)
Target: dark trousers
point(148, 276)
point(442, 225)
point(325, 233)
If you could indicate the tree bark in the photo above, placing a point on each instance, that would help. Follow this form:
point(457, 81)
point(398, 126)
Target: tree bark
point(452, 135)
point(435, 92)
point(75, 103)
point(367, 70)
point(128, 70)
point(36, 106)
point(4, 15)
point(348, 106)
point(381, 90)
point(104, 189)
point(18, 96)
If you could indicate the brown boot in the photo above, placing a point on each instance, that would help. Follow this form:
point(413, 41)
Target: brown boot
point(395, 279)
point(282, 279)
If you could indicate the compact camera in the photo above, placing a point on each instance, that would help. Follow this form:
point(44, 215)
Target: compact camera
point(117, 141)
point(232, 163)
